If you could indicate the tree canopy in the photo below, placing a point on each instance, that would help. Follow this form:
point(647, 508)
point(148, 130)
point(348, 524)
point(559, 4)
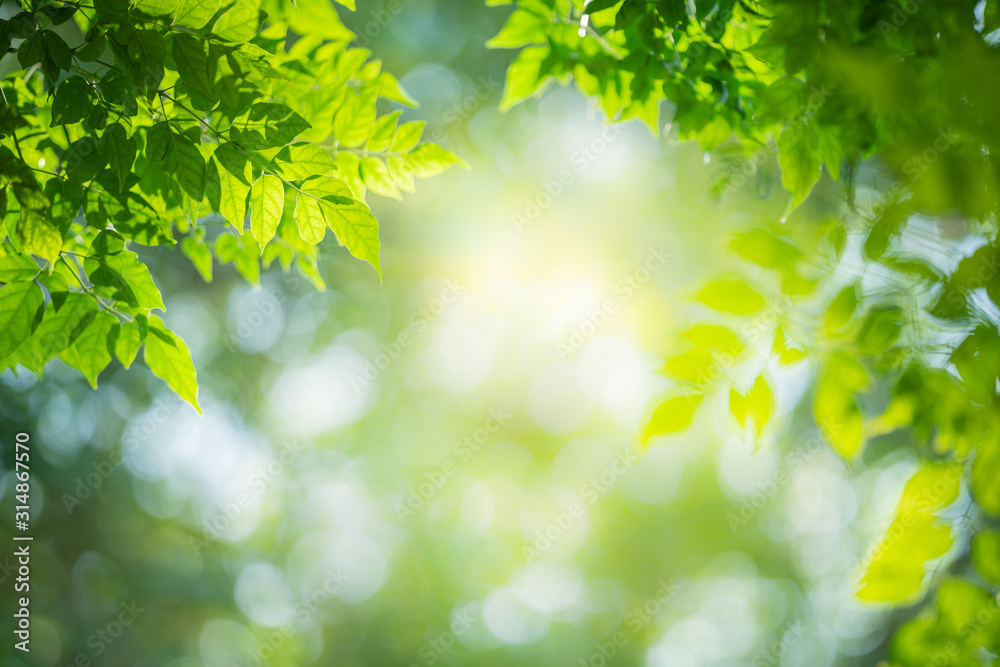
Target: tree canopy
point(240, 131)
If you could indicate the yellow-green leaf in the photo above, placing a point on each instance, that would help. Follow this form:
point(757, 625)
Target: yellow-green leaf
point(756, 405)
point(897, 570)
point(734, 297)
point(92, 350)
point(267, 201)
point(672, 415)
point(127, 345)
point(168, 358)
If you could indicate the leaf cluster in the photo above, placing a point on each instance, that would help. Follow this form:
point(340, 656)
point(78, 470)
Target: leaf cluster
point(244, 130)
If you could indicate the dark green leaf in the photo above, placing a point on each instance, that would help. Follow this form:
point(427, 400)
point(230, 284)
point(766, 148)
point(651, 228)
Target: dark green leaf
point(118, 148)
point(72, 102)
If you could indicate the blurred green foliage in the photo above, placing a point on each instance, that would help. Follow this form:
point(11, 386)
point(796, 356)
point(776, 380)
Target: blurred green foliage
point(458, 468)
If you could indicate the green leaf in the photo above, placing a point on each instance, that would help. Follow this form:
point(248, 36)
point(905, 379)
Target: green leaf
point(145, 53)
point(717, 338)
point(836, 409)
point(168, 358)
point(522, 28)
point(764, 248)
point(407, 136)
point(986, 555)
point(600, 5)
point(267, 201)
point(92, 49)
point(94, 347)
point(20, 312)
point(354, 121)
point(881, 330)
point(388, 88)
point(986, 475)
point(157, 7)
point(525, 76)
point(301, 161)
point(800, 161)
point(841, 309)
point(229, 179)
point(48, 49)
point(118, 273)
point(65, 198)
point(38, 234)
point(328, 203)
point(429, 160)
point(240, 22)
point(59, 15)
point(697, 367)
point(756, 405)
point(193, 64)
point(128, 343)
point(382, 133)
point(672, 415)
point(317, 17)
point(969, 612)
point(734, 297)
point(194, 13)
point(17, 268)
point(194, 248)
point(786, 355)
point(377, 178)
point(58, 330)
point(72, 102)
point(118, 148)
point(241, 251)
point(401, 173)
point(267, 125)
point(897, 570)
point(184, 164)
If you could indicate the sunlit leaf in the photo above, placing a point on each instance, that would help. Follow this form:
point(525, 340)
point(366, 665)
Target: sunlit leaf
point(734, 297)
point(897, 569)
point(20, 312)
point(168, 358)
point(671, 416)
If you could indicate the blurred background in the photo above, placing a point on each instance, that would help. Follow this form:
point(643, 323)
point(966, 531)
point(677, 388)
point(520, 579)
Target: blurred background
point(443, 469)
